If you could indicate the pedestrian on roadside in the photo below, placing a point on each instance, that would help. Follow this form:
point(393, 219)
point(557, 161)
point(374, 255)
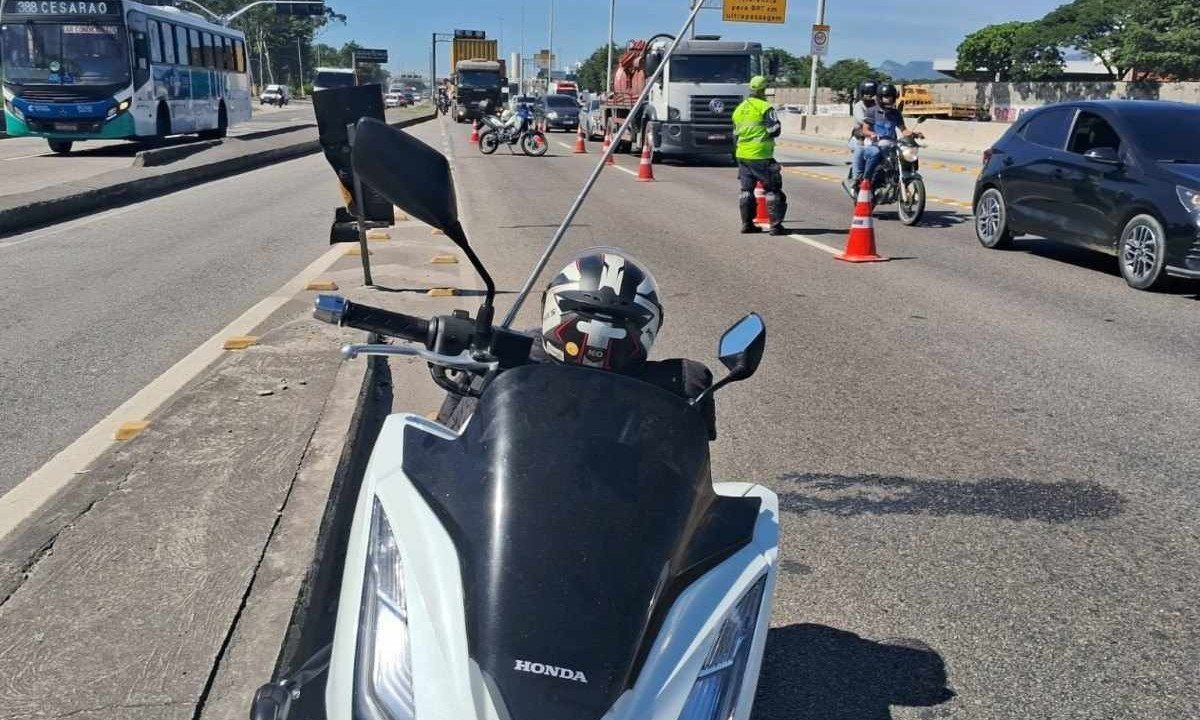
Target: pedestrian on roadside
point(756, 126)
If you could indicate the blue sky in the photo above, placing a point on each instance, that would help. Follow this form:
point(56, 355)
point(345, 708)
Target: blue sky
point(901, 31)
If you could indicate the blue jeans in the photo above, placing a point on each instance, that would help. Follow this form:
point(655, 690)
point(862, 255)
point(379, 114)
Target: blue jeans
point(857, 158)
point(872, 154)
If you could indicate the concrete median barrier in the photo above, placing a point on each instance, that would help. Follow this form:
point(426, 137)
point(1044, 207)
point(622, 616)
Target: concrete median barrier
point(169, 170)
point(952, 136)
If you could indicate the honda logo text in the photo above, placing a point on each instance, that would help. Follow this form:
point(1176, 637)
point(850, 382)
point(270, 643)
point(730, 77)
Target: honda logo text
point(551, 670)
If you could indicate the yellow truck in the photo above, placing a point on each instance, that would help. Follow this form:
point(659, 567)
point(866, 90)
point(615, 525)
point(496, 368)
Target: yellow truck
point(917, 101)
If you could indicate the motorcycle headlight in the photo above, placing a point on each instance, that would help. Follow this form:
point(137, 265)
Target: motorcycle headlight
point(384, 680)
point(720, 679)
point(910, 153)
point(672, 113)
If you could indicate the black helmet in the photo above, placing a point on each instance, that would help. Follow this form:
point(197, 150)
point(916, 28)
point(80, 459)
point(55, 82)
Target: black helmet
point(867, 88)
point(888, 94)
point(601, 310)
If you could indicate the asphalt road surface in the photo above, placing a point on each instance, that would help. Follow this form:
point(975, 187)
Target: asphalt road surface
point(985, 459)
point(27, 165)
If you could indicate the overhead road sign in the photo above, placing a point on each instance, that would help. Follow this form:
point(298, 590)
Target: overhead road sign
point(471, 34)
point(755, 11)
point(370, 55)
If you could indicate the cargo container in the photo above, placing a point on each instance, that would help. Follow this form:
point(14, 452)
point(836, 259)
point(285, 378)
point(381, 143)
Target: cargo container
point(470, 49)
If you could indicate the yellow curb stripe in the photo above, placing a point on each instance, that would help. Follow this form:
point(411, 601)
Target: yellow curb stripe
point(239, 342)
point(320, 284)
point(130, 430)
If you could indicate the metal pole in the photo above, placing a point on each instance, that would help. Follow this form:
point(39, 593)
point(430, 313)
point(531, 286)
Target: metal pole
point(300, 60)
point(612, 7)
point(433, 67)
point(521, 71)
point(360, 215)
point(550, 60)
point(692, 27)
point(816, 60)
point(591, 181)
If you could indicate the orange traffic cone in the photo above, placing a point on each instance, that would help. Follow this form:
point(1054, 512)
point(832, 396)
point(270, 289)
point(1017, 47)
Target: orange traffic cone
point(607, 145)
point(580, 142)
point(646, 166)
point(860, 245)
point(475, 132)
point(761, 217)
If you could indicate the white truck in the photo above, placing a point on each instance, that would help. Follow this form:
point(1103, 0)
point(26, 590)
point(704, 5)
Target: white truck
point(690, 110)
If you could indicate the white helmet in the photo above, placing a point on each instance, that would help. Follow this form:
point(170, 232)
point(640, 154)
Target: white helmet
point(601, 310)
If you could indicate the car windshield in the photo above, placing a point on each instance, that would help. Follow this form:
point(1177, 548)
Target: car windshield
point(65, 54)
point(1160, 132)
point(478, 79)
point(560, 101)
point(710, 68)
point(334, 79)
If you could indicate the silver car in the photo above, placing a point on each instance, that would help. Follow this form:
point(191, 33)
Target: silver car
point(593, 119)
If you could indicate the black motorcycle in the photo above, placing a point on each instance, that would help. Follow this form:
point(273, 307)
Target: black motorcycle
point(898, 180)
point(531, 141)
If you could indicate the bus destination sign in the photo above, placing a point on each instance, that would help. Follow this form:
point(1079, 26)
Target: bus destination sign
point(63, 8)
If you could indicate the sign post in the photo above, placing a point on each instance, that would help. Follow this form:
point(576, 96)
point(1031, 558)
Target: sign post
point(823, 29)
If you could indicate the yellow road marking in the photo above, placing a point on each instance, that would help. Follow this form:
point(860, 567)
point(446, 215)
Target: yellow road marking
point(130, 430)
point(239, 342)
point(444, 260)
point(378, 235)
point(442, 292)
point(320, 284)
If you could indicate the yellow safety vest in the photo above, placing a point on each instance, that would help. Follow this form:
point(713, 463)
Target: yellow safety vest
point(753, 140)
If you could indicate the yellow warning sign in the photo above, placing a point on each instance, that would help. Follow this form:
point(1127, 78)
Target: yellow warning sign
point(755, 11)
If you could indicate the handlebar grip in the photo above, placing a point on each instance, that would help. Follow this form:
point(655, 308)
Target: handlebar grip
point(340, 311)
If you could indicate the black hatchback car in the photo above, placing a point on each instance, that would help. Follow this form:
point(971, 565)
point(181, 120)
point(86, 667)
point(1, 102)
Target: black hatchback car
point(560, 112)
point(1122, 177)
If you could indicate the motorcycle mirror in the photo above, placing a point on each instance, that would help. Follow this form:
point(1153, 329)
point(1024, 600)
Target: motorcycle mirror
point(409, 173)
point(415, 178)
point(741, 347)
point(922, 119)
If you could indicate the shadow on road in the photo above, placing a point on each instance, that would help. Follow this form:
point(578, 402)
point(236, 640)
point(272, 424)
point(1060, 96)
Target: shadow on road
point(941, 219)
point(1052, 502)
point(807, 163)
point(816, 672)
point(1098, 261)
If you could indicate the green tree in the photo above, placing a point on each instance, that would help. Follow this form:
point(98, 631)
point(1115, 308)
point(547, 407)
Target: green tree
point(1018, 51)
point(1161, 40)
point(590, 75)
point(791, 70)
point(1093, 26)
point(844, 76)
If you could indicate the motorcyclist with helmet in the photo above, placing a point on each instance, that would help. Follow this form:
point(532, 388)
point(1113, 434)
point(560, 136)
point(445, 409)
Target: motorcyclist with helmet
point(866, 100)
point(602, 311)
point(881, 127)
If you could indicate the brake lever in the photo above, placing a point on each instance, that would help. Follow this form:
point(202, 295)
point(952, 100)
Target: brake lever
point(463, 361)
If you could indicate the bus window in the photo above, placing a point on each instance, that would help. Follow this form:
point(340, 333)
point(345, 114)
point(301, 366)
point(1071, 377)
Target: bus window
point(168, 43)
point(240, 52)
point(155, 41)
point(181, 46)
point(195, 57)
point(228, 54)
point(208, 51)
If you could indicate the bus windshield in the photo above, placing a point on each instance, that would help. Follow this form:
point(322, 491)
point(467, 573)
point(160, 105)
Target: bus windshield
point(65, 54)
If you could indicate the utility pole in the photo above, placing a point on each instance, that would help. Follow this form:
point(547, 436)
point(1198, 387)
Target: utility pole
point(608, 69)
point(550, 59)
point(300, 60)
point(521, 70)
point(816, 60)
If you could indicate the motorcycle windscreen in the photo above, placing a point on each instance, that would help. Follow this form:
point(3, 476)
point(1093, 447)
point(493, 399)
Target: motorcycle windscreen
point(580, 503)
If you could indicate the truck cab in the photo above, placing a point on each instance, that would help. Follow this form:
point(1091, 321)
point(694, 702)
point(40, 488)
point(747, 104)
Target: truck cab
point(479, 89)
point(691, 109)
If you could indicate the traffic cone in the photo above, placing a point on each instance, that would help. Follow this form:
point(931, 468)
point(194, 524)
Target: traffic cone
point(646, 166)
point(580, 142)
point(475, 132)
point(761, 217)
point(860, 245)
point(607, 145)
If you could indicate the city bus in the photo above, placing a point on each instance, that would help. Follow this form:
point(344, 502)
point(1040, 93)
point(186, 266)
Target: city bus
point(82, 70)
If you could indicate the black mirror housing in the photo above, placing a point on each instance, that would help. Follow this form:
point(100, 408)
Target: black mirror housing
point(1104, 155)
point(741, 347)
point(411, 175)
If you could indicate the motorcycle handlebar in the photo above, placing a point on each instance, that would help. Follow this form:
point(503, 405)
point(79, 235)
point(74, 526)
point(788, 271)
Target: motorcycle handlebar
point(338, 310)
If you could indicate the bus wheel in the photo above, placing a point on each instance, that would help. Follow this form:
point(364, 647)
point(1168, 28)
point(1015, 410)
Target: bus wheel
point(62, 147)
point(222, 126)
point(162, 121)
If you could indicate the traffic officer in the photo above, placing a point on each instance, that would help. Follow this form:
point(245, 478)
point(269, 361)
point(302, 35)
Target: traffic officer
point(756, 126)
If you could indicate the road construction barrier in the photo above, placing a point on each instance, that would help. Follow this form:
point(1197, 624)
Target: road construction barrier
point(475, 132)
point(608, 144)
point(580, 142)
point(860, 245)
point(761, 216)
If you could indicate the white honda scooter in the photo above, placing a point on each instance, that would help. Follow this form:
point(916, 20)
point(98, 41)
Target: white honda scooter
point(544, 563)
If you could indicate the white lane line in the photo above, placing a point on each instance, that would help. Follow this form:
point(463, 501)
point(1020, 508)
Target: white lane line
point(614, 165)
point(815, 243)
point(35, 490)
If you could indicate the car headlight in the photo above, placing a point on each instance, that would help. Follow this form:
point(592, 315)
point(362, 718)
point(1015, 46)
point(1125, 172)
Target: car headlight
point(720, 678)
point(1190, 199)
point(384, 679)
point(552, 115)
point(672, 113)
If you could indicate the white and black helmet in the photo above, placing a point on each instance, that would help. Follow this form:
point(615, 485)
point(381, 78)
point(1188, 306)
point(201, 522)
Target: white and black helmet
point(601, 310)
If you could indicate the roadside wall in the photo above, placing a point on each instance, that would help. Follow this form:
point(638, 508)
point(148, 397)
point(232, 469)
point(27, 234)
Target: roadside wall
point(943, 135)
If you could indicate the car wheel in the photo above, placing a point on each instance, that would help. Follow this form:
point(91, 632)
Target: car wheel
point(1142, 252)
point(991, 220)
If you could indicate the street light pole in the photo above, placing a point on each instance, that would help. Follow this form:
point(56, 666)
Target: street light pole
point(550, 59)
point(816, 59)
point(612, 7)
